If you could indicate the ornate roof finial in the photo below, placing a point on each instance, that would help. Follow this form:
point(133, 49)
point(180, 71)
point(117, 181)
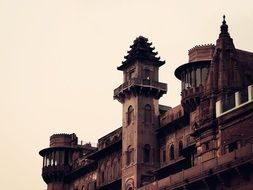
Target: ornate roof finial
point(224, 17)
point(224, 27)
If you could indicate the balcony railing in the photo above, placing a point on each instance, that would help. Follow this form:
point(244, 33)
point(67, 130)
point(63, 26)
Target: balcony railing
point(192, 92)
point(58, 168)
point(142, 83)
point(50, 173)
point(234, 101)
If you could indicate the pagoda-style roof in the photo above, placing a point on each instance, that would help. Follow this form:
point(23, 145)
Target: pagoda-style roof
point(141, 50)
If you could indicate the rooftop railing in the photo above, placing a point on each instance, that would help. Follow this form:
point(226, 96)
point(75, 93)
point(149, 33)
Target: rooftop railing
point(234, 101)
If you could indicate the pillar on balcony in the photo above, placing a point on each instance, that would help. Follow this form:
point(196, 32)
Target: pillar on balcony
point(218, 108)
point(250, 92)
point(237, 99)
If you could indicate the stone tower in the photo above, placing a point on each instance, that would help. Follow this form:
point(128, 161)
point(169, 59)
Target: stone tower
point(139, 95)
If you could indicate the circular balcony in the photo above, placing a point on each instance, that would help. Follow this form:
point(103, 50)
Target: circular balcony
point(54, 173)
point(56, 163)
point(191, 98)
point(193, 77)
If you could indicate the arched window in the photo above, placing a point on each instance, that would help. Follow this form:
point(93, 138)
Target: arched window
point(147, 114)
point(172, 156)
point(180, 148)
point(102, 174)
point(116, 168)
point(108, 172)
point(130, 115)
point(146, 153)
point(102, 177)
point(129, 155)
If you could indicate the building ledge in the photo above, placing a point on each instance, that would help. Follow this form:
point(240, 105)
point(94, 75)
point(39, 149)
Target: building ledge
point(173, 125)
point(238, 161)
point(107, 150)
point(76, 173)
point(111, 185)
point(242, 112)
point(173, 167)
point(237, 102)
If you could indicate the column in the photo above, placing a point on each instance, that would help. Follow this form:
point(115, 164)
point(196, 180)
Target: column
point(218, 108)
point(250, 92)
point(237, 99)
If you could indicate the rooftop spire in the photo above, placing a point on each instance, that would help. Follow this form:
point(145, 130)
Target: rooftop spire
point(141, 50)
point(224, 27)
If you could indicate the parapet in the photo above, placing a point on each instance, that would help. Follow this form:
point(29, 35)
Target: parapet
point(111, 138)
point(62, 139)
point(201, 52)
point(171, 115)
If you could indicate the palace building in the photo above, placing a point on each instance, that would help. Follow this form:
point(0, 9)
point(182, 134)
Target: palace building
point(206, 142)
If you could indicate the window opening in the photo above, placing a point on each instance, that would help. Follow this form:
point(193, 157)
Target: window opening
point(172, 155)
point(146, 153)
point(130, 115)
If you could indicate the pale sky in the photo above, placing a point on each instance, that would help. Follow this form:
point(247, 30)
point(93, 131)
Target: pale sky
point(58, 61)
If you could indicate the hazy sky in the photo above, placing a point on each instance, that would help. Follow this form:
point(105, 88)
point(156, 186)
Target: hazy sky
point(58, 62)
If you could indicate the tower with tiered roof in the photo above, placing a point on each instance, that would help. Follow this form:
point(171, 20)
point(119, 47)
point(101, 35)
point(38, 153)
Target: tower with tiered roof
point(139, 95)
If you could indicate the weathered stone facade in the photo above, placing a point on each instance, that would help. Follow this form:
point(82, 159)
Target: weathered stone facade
point(206, 142)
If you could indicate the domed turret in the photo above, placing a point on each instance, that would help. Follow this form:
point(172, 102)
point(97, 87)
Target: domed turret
point(57, 159)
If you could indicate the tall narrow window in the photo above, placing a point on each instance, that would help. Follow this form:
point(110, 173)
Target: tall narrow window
point(204, 74)
point(147, 114)
point(172, 155)
point(103, 177)
point(130, 115)
point(180, 148)
point(116, 168)
point(108, 171)
point(146, 153)
point(129, 155)
point(147, 74)
point(163, 156)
